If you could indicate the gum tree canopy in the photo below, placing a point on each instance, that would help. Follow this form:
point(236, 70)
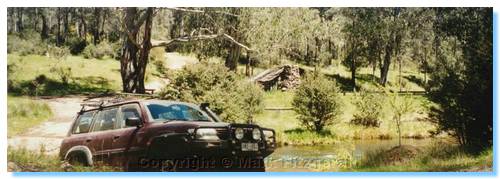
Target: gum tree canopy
point(137, 24)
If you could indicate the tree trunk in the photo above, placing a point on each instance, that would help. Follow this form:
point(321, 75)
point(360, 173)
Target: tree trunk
point(398, 123)
point(399, 76)
point(384, 71)
point(353, 72)
point(144, 54)
point(83, 30)
point(19, 22)
point(95, 29)
point(58, 35)
point(318, 127)
point(66, 24)
point(135, 54)
point(249, 63)
point(45, 27)
point(232, 58)
point(11, 21)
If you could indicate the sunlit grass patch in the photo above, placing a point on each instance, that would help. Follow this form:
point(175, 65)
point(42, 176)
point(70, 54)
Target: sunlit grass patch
point(23, 113)
point(33, 161)
point(436, 157)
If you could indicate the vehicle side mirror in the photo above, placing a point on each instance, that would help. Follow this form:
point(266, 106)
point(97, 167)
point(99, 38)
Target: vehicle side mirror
point(204, 105)
point(133, 121)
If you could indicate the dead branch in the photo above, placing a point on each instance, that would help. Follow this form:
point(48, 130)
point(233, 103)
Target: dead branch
point(200, 11)
point(163, 43)
point(236, 42)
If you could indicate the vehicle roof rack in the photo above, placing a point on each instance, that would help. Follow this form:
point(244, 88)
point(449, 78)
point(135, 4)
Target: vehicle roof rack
point(99, 101)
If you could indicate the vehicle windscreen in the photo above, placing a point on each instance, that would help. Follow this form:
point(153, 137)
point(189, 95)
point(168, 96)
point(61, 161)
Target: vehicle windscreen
point(176, 112)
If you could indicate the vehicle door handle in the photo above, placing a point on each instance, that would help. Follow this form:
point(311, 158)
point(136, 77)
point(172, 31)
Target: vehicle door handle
point(116, 137)
point(88, 140)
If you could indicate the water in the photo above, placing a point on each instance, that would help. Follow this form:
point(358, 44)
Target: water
point(331, 157)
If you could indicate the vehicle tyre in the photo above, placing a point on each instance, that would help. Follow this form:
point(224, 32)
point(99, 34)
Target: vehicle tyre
point(77, 159)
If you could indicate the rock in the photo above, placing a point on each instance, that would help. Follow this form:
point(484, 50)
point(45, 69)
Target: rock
point(12, 167)
point(66, 166)
point(400, 154)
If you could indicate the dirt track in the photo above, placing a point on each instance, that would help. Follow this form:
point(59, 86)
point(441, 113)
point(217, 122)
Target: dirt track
point(50, 133)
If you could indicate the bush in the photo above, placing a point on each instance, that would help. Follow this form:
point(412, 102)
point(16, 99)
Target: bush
point(317, 102)
point(58, 53)
point(100, 50)
point(64, 73)
point(22, 46)
point(76, 45)
point(11, 69)
point(233, 100)
point(368, 109)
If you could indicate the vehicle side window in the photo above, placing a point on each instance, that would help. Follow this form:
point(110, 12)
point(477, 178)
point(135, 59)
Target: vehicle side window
point(106, 120)
point(128, 111)
point(83, 122)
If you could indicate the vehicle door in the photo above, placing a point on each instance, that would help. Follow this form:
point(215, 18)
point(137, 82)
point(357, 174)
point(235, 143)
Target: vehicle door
point(126, 138)
point(102, 134)
point(79, 131)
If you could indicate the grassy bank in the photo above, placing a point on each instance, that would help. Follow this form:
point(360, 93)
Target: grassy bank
point(22, 160)
point(83, 75)
point(291, 132)
point(24, 112)
point(438, 157)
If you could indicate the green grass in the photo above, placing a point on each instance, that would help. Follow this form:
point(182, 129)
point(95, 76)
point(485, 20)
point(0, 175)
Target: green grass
point(437, 157)
point(87, 75)
point(23, 113)
point(284, 121)
point(24, 159)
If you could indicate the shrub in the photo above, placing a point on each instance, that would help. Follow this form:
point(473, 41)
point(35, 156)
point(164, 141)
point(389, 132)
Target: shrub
point(58, 53)
point(100, 50)
point(316, 102)
point(252, 97)
point(233, 100)
point(76, 45)
point(36, 86)
point(368, 109)
point(23, 46)
point(11, 69)
point(401, 106)
point(64, 73)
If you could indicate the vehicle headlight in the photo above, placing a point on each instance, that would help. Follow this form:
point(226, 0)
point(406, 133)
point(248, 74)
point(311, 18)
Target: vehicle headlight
point(268, 134)
point(256, 134)
point(206, 134)
point(239, 133)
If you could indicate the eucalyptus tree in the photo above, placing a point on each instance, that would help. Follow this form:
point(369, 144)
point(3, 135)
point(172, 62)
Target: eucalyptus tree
point(462, 73)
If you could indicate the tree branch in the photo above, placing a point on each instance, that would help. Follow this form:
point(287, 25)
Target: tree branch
point(236, 42)
point(164, 43)
point(200, 11)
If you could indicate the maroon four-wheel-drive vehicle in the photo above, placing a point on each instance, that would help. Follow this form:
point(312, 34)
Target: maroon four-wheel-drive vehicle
point(156, 135)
